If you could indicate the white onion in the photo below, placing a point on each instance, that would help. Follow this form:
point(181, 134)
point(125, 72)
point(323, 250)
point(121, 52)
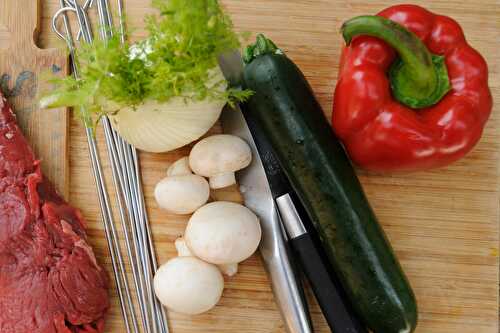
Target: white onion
point(161, 127)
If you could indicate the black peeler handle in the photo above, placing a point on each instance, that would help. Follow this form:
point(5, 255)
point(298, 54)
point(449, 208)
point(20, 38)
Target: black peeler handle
point(328, 291)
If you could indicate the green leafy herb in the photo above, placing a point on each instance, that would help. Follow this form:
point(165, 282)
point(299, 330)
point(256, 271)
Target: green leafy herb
point(178, 59)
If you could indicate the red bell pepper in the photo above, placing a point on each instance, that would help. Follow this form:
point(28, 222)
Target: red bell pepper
point(411, 94)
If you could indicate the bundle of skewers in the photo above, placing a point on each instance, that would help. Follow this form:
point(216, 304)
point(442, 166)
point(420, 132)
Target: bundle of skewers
point(125, 174)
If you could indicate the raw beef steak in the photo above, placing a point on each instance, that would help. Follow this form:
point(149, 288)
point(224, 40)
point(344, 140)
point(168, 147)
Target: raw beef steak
point(50, 281)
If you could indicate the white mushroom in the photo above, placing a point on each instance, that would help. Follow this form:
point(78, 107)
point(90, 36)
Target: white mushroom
point(184, 251)
point(218, 157)
point(223, 233)
point(179, 168)
point(188, 285)
point(182, 194)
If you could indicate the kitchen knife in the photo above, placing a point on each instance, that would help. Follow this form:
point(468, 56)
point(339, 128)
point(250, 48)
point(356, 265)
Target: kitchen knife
point(273, 248)
point(327, 289)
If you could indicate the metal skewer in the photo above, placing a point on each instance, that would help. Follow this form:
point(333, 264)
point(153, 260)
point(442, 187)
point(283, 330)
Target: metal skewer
point(121, 16)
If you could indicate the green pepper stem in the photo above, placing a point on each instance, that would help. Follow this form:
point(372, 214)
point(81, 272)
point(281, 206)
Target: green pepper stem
point(418, 78)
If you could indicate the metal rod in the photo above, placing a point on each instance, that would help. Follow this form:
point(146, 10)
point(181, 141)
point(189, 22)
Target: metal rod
point(121, 17)
point(88, 4)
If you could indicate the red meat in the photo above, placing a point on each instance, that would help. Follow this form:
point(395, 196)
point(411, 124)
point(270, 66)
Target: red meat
point(50, 281)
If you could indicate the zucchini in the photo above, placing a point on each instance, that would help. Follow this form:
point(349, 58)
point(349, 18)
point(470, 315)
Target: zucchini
point(325, 181)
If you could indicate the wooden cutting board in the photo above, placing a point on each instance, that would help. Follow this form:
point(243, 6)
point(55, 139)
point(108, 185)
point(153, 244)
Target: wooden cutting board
point(442, 223)
point(22, 68)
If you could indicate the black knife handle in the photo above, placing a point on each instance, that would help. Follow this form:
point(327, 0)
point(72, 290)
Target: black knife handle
point(326, 287)
point(337, 312)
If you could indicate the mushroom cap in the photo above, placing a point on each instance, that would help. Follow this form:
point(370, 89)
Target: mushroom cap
point(179, 167)
point(188, 285)
point(223, 233)
point(182, 194)
point(219, 154)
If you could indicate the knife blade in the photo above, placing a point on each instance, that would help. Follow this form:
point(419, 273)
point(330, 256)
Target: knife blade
point(273, 248)
point(327, 289)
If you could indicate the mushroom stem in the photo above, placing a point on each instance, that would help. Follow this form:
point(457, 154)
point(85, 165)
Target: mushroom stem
point(228, 269)
point(182, 248)
point(184, 251)
point(222, 180)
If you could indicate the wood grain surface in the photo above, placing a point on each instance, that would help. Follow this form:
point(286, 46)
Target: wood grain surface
point(442, 223)
point(22, 64)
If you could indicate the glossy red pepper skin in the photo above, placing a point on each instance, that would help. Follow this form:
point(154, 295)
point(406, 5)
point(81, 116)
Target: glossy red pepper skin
point(383, 135)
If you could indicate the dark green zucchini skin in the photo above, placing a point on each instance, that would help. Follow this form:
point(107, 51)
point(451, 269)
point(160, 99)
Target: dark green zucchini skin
point(324, 179)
